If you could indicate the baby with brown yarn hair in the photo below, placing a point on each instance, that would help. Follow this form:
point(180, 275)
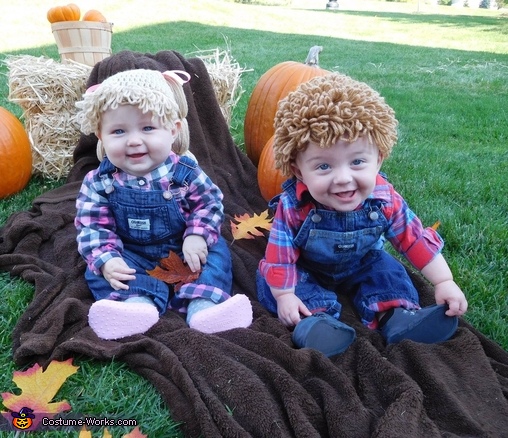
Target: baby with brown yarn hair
point(333, 218)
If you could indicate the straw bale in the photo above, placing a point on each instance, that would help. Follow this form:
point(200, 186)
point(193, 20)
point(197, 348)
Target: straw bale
point(53, 140)
point(225, 74)
point(47, 90)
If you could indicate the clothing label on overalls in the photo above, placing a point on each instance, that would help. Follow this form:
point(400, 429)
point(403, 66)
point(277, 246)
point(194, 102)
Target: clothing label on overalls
point(139, 224)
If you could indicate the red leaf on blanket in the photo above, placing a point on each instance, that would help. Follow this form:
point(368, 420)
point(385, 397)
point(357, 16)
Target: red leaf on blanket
point(38, 388)
point(172, 270)
point(247, 227)
point(136, 433)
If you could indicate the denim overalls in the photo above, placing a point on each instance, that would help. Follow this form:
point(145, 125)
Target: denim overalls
point(343, 252)
point(150, 225)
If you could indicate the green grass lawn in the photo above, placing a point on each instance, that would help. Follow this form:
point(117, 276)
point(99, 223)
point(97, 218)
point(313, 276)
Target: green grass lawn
point(442, 69)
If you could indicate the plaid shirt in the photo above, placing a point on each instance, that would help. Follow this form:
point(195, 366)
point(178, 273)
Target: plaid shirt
point(201, 208)
point(404, 231)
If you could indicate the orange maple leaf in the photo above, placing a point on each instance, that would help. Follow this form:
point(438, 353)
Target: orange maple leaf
point(436, 225)
point(84, 433)
point(247, 226)
point(172, 270)
point(38, 388)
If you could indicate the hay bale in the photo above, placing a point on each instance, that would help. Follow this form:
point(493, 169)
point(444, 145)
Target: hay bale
point(225, 74)
point(47, 91)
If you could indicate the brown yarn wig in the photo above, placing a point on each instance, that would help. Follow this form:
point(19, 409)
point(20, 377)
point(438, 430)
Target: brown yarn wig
point(327, 109)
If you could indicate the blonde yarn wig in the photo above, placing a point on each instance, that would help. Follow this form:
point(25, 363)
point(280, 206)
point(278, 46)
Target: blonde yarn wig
point(161, 94)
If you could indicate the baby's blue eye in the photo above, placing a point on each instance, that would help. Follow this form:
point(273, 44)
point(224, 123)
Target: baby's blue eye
point(148, 128)
point(323, 167)
point(118, 131)
point(357, 162)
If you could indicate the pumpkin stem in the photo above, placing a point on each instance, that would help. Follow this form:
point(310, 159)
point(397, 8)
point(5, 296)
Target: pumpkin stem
point(313, 56)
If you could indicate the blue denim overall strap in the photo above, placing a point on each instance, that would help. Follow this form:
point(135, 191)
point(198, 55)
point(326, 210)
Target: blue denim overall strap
point(288, 186)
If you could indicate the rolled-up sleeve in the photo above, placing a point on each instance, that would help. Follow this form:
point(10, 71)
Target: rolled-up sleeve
point(419, 245)
point(96, 238)
point(279, 265)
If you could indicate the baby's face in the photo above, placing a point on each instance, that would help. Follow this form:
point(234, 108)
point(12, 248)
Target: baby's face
point(133, 141)
point(342, 176)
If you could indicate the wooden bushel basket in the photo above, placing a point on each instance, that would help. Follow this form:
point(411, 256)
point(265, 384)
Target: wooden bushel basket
point(86, 42)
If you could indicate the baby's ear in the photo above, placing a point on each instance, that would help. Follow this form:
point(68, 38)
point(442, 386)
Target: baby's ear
point(176, 127)
point(296, 170)
point(380, 160)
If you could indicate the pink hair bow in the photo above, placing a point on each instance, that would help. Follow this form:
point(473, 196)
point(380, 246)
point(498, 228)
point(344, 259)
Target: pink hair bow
point(92, 88)
point(176, 75)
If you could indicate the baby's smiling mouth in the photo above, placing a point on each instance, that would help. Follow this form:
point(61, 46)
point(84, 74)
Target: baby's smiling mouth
point(348, 194)
point(136, 155)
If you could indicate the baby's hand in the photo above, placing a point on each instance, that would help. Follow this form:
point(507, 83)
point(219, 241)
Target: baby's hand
point(116, 271)
point(289, 308)
point(194, 251)
point(448, 292)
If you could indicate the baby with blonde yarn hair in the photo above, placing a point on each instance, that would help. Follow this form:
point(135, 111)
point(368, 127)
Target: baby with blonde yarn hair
point(149, 197)
point(332, 219)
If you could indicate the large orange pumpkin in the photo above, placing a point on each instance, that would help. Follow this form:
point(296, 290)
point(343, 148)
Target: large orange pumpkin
point(15, 155)
point(270, 179)
point(273, 86)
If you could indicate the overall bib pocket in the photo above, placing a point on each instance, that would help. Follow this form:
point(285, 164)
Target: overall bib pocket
point(344, 248)
point(146, 217)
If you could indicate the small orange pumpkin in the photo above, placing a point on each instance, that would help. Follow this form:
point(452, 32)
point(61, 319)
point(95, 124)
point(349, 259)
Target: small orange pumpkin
point(94, 15)
point(15, 155)
point(273, 86)
point(270, 179)
point(70, 12)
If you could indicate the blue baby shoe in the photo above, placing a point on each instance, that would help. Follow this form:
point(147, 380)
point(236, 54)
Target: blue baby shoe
point(324, 333)
point(428, 325)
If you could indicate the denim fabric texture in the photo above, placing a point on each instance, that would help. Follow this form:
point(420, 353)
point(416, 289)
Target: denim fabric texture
point(342, 253)
point(151, 225)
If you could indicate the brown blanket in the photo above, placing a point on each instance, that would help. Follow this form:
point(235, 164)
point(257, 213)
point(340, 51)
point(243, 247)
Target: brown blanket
point(271, 389)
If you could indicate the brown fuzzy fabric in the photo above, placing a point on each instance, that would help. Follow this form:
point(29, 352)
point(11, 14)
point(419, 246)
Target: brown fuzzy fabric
point(455, 389)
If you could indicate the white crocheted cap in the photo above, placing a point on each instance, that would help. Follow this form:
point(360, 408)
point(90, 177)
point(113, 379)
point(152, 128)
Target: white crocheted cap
point(147, 89)
point(161, 94)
